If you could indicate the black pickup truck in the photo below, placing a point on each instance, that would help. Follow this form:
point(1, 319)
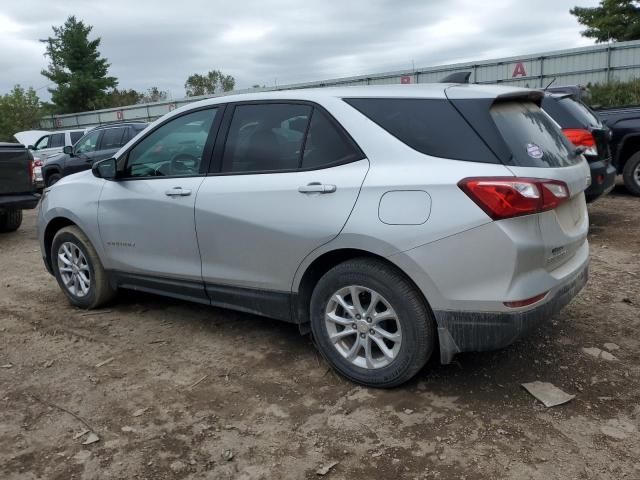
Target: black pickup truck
point(625, 143)
point(17, 185)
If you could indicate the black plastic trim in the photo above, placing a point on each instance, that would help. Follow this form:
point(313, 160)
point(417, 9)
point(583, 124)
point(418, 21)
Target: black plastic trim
point(265, 303)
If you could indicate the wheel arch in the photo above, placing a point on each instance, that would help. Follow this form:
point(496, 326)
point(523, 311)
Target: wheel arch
point(629, 145)
point(320, 265)
point(54, 226)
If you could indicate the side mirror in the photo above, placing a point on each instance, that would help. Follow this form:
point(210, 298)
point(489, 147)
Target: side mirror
point(30, 147)
point(68, 149)
point(105, 169)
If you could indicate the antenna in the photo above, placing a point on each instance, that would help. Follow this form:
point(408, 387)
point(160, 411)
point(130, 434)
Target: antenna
point(550, 83)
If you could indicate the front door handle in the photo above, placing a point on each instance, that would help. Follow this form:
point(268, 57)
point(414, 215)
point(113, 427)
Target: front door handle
point(317, 187)
point(177, 192)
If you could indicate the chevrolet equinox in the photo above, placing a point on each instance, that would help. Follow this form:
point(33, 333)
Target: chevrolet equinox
point(390, 222)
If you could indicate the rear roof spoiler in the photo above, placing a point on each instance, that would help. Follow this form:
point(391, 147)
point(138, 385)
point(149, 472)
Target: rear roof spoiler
point(456, 77)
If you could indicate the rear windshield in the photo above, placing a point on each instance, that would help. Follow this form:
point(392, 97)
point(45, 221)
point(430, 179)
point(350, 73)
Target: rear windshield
point(533, 138)
point(430, 126)
point(570, 112)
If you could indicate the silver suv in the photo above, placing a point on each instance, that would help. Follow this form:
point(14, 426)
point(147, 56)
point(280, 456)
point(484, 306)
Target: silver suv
point(388, 221)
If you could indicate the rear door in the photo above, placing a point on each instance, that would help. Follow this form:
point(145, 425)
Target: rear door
point(110, 142)
point(284, 183)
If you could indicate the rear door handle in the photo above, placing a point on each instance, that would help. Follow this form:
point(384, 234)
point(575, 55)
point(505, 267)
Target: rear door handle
point(317, 187)
point(177, 192)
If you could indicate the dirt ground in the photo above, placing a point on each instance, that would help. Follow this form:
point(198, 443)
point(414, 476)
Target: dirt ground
point(175, 390)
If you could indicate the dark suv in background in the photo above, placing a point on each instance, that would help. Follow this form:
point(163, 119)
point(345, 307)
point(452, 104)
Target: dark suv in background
point(98, 144)
point(585, 130)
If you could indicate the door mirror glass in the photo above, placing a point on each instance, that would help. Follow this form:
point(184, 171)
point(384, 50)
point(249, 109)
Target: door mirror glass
point(68, 149)
point(106, 169)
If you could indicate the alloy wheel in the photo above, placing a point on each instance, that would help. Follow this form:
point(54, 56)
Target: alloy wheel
point(74, 269)
point(363, 327)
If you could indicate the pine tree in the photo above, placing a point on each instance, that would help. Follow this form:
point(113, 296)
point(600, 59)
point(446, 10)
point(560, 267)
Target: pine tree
point(76, 67)
point(611, 20)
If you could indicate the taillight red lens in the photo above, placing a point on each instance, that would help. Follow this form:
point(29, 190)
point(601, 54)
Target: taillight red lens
point(579, 137)
point(507, 197)
point(37, 162)
point(582, 138)
point(32, 172)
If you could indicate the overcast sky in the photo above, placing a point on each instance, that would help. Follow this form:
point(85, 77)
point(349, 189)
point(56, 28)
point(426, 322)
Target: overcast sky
point(160, 43)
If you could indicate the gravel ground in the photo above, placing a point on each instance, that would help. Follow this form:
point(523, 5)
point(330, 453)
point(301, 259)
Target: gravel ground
point(174, 390)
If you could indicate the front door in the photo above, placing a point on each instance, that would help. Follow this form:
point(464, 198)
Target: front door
point(288, 180)
point(146, 216)
point(84, 153)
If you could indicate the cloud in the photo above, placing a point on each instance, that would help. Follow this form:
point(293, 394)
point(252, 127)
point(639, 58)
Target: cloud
point(160, 43)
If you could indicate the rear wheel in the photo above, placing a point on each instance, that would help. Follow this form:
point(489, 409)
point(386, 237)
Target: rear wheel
point(78, 269)
point(631, 174)
point(371, 324)
point(53, 178)
point(10, 220)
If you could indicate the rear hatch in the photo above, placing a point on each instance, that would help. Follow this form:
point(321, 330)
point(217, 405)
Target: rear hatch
point(16, 169)
point(531, 145)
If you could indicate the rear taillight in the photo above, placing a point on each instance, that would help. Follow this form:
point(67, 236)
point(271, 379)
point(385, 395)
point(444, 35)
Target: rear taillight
point(37, 162)
point(507, 197)
point(581, 138)
point(32, 171)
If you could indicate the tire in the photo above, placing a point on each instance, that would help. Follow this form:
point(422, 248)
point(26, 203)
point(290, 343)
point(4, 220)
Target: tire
point(99, 291)
point(412, 321)
point(10, 220)
point(631, 174)
point(53, 178)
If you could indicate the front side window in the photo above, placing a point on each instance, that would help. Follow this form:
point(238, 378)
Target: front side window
point(42, 143)
point(265, 137)
point(174, 149)
point(88, 143)
point(112, 138)
point(56, 140)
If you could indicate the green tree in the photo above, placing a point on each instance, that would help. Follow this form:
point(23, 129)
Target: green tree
point(121, 98)
point(19, 110)
point(76, 67)
point(209, 83)
point(611, 20)
point(154, 94)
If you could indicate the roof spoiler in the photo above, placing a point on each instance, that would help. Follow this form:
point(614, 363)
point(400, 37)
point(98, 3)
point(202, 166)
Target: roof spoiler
point(456, 77)
point(534, 96)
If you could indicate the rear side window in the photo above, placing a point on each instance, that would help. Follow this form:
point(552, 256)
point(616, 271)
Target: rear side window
point(265, 137)
point(56, 140)
point(326, 145)
point(112, 138)
point(75, 136)
point(533, 138)
point(430, 126)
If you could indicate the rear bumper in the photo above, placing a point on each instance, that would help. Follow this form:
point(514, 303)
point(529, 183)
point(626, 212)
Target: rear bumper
point(19, 202)
point(603, 179)
point(481, 331)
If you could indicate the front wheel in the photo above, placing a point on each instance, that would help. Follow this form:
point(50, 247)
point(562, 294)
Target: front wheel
point(78, 269)
point(371, 324)
point(53, 179)
point(631, 174)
